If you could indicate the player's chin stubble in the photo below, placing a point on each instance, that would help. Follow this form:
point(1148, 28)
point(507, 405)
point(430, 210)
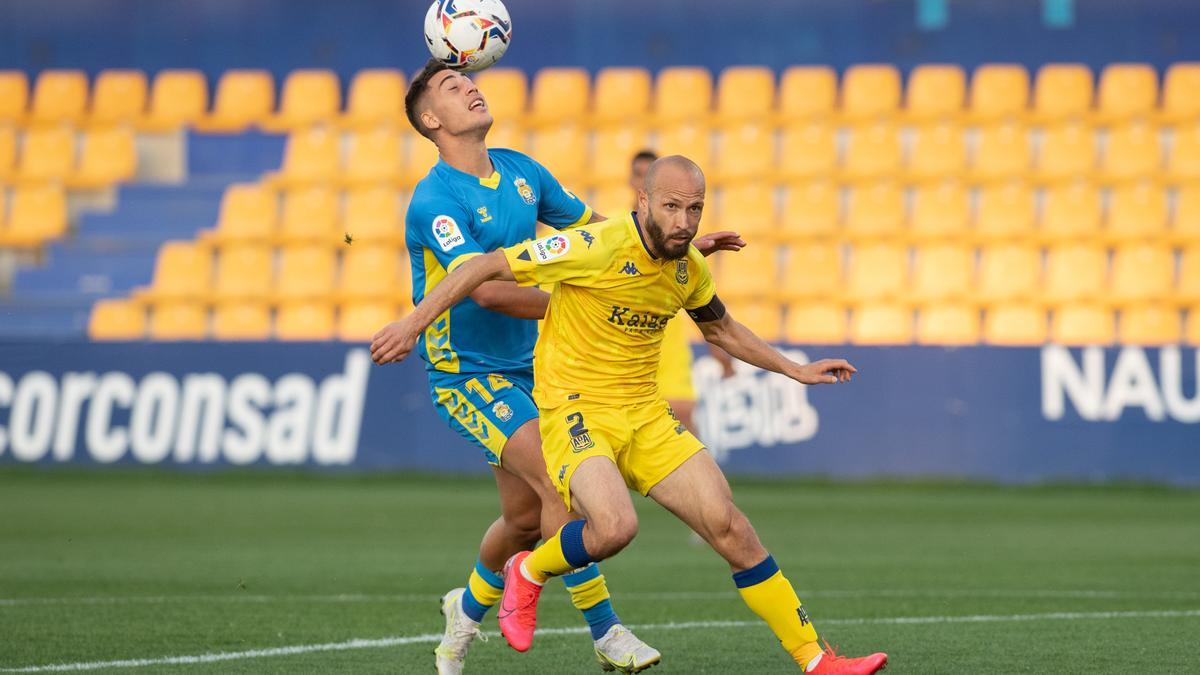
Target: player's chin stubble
point(668, 249)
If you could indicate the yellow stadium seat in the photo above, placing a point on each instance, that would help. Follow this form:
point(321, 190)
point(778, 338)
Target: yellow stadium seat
point(683, 94)
point(1071, 212)
point(360, 321)
point(764, 319)
point(948, 324)
point(870, 92)
point(936, 92)
point(243, 98)
point(59, 96)
point(807, 93)
point(747, 152)
point(311, 156)
point(248, 213)
point(1192, 327)
point(14, 96)
point(1137, 211)
point(310, 215)
point(1150, 325)
point(940, 211)
point(1181, 94)
point(241, 320)
point(810, 211)
point(117, 319)
point(506, 91)
point(877, 272)
point(873, 151)
point(999, 91)
point(1015, 325)
point(560, 96)
point(172, 321)
point(1127, 91)
point(749, 274)
point(1142, 273)
point(875, 212)
point(376, 99)
point(1132, 152)
point(813, 271)
point(8, 153)
point(1185, 226)
point(1007, 273)
point(942, 272)
point(1067, 152)
point(749, 209)
point(306, 272)
point(622, 96)
point(508, 135)
point(310, 97)
point(48, 154)
point(372, 273)
point(244, 271)
point(307, 321)
point(1006, 211)
point(1075, 272)
point(178, 98)
point(808, 151)
point(38, 214)
point(1082, 324)
point(564, 151)
point(613, 151)
point(881, 323)
point(119, 97)
point(1187, 289)
point(1003, 152)
point(375, 157)
point(108, 156)
point(3, 213)
point(373, 216)
point(938, 151)
point(745, 93)
point(1063, 92)
point(615, 198)
point(691, 139)
point(1183, 164)
point(816, 323)
point(182, 271)
point(422, 156)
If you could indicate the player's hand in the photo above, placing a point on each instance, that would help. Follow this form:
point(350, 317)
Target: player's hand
point(825, 371)
point(718, 241)
point(393, 342)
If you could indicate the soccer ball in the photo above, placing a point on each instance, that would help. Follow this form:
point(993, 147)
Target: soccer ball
point(467, 35)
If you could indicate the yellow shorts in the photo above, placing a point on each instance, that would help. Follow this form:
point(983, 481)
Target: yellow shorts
point(675, 369)
point(645, 441)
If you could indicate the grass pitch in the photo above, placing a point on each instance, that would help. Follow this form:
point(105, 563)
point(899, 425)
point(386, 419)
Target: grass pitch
point(101, 567)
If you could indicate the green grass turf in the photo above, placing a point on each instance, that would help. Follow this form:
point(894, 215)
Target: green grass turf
point(146, 565)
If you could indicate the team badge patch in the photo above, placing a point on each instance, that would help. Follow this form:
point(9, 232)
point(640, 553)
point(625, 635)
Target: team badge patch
point(580, 438)
point(502, 411)
point(681, 271)
point(525, 191)
point(446, 231)
point(483, 214)
point(551, 247)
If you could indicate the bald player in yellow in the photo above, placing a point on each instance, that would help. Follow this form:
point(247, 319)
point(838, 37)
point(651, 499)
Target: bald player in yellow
point(604, 426)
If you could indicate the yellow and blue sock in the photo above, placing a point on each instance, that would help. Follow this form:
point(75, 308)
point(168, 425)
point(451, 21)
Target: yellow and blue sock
point(484, 588)
point(559, 554)
point(770, 595)
point(589, 594)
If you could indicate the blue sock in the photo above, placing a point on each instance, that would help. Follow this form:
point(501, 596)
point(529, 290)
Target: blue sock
point(484, 588)
point(590, 596)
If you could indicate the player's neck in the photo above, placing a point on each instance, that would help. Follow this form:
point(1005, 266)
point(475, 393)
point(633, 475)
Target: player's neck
point(469, 156)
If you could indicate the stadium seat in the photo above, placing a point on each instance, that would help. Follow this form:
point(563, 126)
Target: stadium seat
point(1127, 91)
point(178, 98)
point(691, 139)
point(938, 151)
point(38, 214)
point(560, 96)
point(8, 154)
point(119, 97)
point(1063, 92)
point(810, 211)
point(1137, 211)
point(942, 272)
point(1187, 288)
point(816, 323)
point(747, 208)
point(506, 91)
point(360, 321)
point(1183, 162)
point(1192, 327)
point(59, 97)
point(1067, 152)
point(749, 274)
point(940, 211)
point(108, 156)
point(422, 156)
point(870, 92)
point(613, 148)
point(683, 94)
point(1015, 325)
point(373, 273)
point(373, 215)
point(307, 321)
point(249, 212)
point(244, 272)
point(1005, 212)
point(375, 157)
point(306, 272)
point(1185, 225)
point(999, 91)
point(1132, 152)
point(310, 215)
point(1075, 272)
point(376, 99)
point(182, 271)
point(508, 135)
point(1150, 325)
point(310, 97)
point(48, 154)
point(311, 156)
point(812, 271)
point(747, 152)
point(241, 320)
point(877, 272)
point(1181, 94)
point(1007, 273)
point(764, 319)
point(806, 93)
point(881, 324)
point(936, 93)
point(1002, 152)
point(948, 324)
point(616, 198)
point(875, 212)
point(809, 150)
point(14, 96)
point(622, 96)
point(117, 320)
point(1082, 324)
point(1142, 272)
point(873, 151)
point(564, 151)
point(1071, 212)
point(243, 98)
point(745, 94)
point(170, 321)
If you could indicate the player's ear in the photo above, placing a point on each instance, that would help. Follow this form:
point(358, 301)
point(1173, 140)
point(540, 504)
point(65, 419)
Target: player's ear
point(430, 121)
point(643, 200)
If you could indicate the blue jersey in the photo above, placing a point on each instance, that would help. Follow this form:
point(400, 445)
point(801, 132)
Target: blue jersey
point(454, 216)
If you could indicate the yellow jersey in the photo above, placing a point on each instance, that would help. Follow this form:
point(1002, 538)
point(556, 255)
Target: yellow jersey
point(602, 337)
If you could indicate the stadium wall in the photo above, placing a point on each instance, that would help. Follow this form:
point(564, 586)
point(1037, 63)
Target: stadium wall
point(1006, 414)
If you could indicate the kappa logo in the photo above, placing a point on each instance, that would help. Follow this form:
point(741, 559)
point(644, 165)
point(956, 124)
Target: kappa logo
point(580, 438)
point(502, 411)
point(681, 272)
point(525, 191)
point(551, 247)
point(562, 473)
point(446, 231)
point(587, 237)
point(630, 269)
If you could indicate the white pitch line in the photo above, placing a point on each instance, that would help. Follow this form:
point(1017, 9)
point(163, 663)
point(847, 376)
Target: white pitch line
point(431, 638)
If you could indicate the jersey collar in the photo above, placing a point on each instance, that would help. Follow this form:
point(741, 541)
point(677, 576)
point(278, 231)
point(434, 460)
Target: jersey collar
point(491, 182)
point(637, 227)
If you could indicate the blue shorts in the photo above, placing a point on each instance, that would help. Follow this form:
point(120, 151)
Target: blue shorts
point(485, 409)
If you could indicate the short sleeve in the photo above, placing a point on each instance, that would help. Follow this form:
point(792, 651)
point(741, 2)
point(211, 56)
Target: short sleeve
point(442, 228)
point(559, 207)
point(704, 289)
point(570, 256)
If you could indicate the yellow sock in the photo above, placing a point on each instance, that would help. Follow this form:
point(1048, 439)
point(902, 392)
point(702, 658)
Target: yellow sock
point(559, 554)
point(770, 595)
point(484, 588)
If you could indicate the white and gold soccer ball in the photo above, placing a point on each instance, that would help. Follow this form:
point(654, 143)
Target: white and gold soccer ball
point(467, 35)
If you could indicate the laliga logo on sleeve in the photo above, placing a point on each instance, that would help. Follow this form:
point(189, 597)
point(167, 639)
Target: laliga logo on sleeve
point(551, 247)
point(446, 231)
point(525, 191)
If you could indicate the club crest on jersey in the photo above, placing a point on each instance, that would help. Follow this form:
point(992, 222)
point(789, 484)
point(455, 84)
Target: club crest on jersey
point(502, 411)
point(580, 438)
point(446, 231)
point(551, 247)
point(681, 272)
point(483, 214)
point(525, 191)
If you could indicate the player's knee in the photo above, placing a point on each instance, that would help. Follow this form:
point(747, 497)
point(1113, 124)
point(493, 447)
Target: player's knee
point(525, 528)
point(728, 525)
point(612, 533)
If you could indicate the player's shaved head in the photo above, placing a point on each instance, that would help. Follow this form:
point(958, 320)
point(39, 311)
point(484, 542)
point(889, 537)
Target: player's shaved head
point(670, 205)
point(674, 171)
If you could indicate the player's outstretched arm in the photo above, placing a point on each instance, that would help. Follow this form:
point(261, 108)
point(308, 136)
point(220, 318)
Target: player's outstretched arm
point(510, 299)
point(743, 344)
point(396, 340)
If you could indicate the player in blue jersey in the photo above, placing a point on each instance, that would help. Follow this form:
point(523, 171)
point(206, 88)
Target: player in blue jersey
point(479, 354)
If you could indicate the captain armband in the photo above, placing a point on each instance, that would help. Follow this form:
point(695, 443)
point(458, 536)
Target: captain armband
point(713, 311)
